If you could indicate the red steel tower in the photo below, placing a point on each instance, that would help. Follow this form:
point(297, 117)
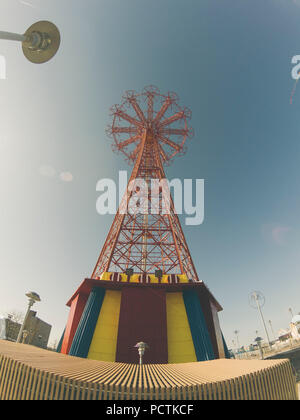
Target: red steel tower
point(156, 131)
point(144, 287)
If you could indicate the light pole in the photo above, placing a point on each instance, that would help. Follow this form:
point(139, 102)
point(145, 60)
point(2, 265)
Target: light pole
point(33, 297)
point(291, 312)
point(234, 349)
point(25, 335)
point(39, 43)
point(270, 322)
point(257, 300)
point(236, 332)
point(142, 347)
point(258, 340)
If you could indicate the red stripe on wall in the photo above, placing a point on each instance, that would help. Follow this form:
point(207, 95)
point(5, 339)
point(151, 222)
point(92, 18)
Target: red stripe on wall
point(76, 310)
point(143, 317)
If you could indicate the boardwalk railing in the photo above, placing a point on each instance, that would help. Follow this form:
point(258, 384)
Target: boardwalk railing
point(29, 373)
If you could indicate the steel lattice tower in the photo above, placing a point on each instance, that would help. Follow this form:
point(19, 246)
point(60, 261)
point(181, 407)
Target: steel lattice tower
point(144, 291)
point(156, 131)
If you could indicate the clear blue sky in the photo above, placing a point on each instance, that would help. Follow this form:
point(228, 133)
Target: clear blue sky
point(230, 62)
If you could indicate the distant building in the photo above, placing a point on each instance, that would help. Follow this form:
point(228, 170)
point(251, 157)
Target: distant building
point(284, 335)
point(38, 330)
point(295, 327)
point(9, 329)
point(296, 320)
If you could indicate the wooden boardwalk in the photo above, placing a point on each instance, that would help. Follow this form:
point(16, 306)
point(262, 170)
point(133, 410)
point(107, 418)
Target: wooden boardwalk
point(29, 373)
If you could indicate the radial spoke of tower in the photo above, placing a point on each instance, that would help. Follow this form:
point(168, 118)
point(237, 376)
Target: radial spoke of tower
point(129, 141)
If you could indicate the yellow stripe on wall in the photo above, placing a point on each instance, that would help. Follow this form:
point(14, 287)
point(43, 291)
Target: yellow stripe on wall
point(104, 342)
point(180, 343)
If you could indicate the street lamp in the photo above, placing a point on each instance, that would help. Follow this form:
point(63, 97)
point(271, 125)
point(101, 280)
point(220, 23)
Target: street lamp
point(129, 273)
point(257, 301)
point(270, 322)
point(33, 297)
point(159, 274)
point(25, 335)
point(142, 347)
point(236, 332)
point(258, 340)
point(39, 43)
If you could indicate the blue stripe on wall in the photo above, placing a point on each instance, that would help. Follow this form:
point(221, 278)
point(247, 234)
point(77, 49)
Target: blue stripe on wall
point(86, 327)
point(227, 354)
point(202, 342)
point(59, 346)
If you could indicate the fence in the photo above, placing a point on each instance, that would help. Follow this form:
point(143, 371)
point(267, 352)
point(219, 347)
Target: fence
point(29, 373)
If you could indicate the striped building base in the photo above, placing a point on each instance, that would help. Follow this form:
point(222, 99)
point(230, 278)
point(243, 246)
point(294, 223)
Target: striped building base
point(176, 318)
point(30, 373)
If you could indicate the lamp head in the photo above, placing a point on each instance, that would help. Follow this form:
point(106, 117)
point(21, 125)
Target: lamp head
point(142, 346)
point(129, 272)
point(33, 296)
point(42, 42)
point(159, 274)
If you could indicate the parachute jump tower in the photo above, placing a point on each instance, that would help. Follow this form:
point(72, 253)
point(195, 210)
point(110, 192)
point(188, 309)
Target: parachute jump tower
point(145, 287)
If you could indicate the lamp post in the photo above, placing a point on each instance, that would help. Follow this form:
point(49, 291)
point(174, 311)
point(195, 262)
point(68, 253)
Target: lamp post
point(142, 347)
point(257, 301)
point(258, 340)
point(159, 274)
point(270, 322)
point(33, 297)
point(129, 272)
point(25, 335)
point(236, 332)
point(39, 43)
